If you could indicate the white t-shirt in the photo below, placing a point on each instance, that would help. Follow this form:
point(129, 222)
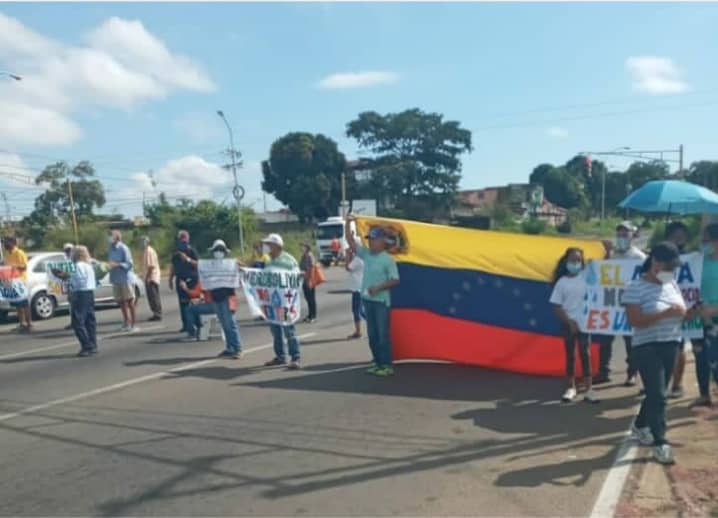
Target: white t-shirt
point(356, 273)
point(570, 294)
point(631, 253)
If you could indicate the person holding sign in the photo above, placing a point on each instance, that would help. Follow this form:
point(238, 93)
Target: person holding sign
point(225, 307)
point(569, 293)
point(380, 276)
point(706, 351)
point(281, 260)
point(656, 310)
point(17, 259)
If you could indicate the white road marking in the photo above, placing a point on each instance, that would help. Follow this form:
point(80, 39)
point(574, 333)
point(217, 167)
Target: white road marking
point(610, 494)
point(74, 342)
point(127, 383)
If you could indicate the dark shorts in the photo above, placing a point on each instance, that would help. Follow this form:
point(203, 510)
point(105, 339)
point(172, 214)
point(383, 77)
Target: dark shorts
point(21, 304)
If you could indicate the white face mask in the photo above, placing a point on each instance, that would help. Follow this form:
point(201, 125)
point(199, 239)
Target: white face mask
point(664, 277)
point(265, 249)
point(218, 254)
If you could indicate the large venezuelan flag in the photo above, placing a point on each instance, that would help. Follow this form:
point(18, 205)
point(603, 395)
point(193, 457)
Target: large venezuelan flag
point(477, 297)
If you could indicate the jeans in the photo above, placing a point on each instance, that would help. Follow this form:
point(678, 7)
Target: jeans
point(153, 298)
point(183, 307)
point(82, 314)
point(655, 362)
point(229, 326)
point(706, 352)
point(606, 353)
point(194, 311)
point(311, 295)
point(357, 307)
point(570, 340)
point(378, 329)
point(290, 333)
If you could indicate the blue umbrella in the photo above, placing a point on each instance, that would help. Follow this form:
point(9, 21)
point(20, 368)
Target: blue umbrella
point(672, 197)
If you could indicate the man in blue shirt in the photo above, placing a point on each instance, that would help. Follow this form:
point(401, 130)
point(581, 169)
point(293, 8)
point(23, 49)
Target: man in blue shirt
point(380, 276)
point(119, 259)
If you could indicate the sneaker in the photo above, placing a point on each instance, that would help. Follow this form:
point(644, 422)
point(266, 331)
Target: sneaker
point(703, 401)
point(294, 365)
point(83, 354)
point(154, 318)
point(124, 328)
point(591, 397)
point(569, 395)
point(133, 329)
point(235, 356)
point(223, 354)
point(676, 393)
point(642, 435)
point(663, 454)
point(372, 369)
point(93, 352)
point(275, 362)
point(384, 371)
point(630, 382)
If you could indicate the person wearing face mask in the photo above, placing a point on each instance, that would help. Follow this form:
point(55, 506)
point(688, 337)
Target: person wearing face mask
point(656, 310)
point(567, 298)
point(151, 275)
point(623, 249)
point(225, 307)
point(183, 268)
point(678, 234)
point(706, 350)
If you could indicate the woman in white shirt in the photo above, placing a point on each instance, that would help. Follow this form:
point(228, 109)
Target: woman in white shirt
point(82, 297)
point(355, 266)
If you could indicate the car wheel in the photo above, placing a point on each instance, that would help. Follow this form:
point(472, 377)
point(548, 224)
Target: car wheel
point(43, 306)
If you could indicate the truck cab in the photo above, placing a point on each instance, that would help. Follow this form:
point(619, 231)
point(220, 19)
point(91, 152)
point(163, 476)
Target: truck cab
point(326, 231)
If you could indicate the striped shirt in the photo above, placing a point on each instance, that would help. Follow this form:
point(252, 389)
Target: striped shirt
point(654, 298)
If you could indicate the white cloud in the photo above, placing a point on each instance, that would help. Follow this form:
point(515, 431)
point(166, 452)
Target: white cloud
point(357, 80)
point(201, 127)
point(122, 66)
point(557, 132)
point(655, 75)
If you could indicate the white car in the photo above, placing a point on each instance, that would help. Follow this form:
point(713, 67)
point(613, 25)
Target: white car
point(43, 303)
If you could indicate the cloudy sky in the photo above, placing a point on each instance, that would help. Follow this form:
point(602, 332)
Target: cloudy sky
point(134, 88)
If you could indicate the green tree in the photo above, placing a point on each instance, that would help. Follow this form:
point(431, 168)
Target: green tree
point(639, 173)
point(564, 189)
point(415, 158)
point(538, 175)
point(705, 173)
point(304, 172)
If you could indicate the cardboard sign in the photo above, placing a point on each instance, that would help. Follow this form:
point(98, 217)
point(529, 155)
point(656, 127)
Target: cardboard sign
point(12, 287)
point(273, 295)
point(55, 285)
point(607, 280)
point(218, 273)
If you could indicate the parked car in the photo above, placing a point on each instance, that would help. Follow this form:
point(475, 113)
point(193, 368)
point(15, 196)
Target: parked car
point(44, 304)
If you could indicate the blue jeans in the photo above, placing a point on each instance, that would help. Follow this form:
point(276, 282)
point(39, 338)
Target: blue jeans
point(194, 311)
point(183, 301)
point(706, 352)
point(655, 362)
point(357, 308)
point(229, 326)
point(290, 333)
point(377, 324)
point(82, 315)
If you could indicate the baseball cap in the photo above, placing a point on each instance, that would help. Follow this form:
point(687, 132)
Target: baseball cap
point(274, 239)
point(219, 243)
point(376, 233)
point(67, 246)
point(628, 225)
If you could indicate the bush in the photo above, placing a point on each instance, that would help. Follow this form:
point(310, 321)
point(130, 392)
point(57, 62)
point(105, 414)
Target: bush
point(565, 227)
point(533, 226)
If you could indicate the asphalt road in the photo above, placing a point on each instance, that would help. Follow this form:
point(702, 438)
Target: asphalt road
point(152, 426)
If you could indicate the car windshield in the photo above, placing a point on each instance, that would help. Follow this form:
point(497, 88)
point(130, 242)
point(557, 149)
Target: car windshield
point(329, 231)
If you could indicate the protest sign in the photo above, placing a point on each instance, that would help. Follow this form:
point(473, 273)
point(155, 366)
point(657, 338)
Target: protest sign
point(12, 287)
point(273, 294)
point(607, 280)
point(55, 285)
point(218, 273)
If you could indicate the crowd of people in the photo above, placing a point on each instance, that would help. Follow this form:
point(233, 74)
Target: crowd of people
point(656, 310)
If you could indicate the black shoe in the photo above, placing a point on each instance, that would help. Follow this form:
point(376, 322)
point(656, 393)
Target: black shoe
point(601, 379)
point(154, 318)
point(275, 362)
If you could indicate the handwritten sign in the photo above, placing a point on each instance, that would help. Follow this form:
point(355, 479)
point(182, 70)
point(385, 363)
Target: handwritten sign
point(55, 285)
point(273, 294)
point(607, 280)
point(12, 287)
point(218, 273)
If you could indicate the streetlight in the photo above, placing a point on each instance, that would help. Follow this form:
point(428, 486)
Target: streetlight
point(238, 190)
point(11, 76)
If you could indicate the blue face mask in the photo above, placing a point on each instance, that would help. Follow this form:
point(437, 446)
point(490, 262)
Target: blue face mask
point(707, 249)
point(574, 268)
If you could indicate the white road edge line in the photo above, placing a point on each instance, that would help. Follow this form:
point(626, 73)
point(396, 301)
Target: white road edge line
point(127, 383)
point(610, 494)
point(74, 342)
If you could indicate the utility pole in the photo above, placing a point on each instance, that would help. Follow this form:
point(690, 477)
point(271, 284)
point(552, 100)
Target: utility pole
point(344, 195)
point(680, 159)
point(238, 190)
point(72, 211)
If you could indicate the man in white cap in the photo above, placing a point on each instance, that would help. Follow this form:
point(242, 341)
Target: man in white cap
point(67, 249)
point(281, 260)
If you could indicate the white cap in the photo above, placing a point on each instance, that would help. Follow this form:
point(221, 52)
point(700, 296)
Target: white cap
point(219, 243)
point(67, 246)
point(628, 225)
point(274, 239)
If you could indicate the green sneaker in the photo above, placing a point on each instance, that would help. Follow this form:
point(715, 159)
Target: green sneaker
point(372, 369)
point(384, 371)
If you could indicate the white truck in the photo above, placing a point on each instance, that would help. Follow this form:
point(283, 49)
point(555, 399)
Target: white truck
point(326, 231)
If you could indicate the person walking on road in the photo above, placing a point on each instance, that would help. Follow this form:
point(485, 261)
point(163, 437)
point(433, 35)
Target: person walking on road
point(706, 350)
point(355, 267)
point(380, 276)
point(656, 310)
point(184, 268)
point(306, 265)
point(567, 298)
point(623, 249)
point(120, 264)
point(151, 275)
point(281, 260)
point(17, 259)
point(82, 296)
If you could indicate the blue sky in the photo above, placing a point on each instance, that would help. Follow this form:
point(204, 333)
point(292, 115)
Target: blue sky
point(134, 87)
